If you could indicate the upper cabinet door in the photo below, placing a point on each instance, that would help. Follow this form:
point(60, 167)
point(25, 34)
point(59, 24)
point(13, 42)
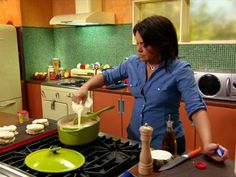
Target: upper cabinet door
point(10, 12)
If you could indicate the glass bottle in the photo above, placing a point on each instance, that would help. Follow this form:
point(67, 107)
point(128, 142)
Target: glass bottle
point(169, 142)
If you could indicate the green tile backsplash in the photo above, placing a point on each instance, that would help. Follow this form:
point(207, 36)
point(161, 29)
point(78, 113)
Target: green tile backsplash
point(104, 44)
point(108, 44)
point(38, 46)
point(209, 56)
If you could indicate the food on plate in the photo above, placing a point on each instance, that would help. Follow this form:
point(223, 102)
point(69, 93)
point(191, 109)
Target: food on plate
point(42, 121)
point(10, 128)
point(6, 137)
point(33, 129)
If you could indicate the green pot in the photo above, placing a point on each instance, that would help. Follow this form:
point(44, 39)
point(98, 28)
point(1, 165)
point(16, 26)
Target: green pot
point(77, 136)
point(54, 160)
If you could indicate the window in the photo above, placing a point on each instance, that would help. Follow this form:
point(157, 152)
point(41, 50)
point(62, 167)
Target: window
point(194, 20)
point(212, 20)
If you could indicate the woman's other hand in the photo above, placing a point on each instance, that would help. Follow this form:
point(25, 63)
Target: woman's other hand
point(211, 150)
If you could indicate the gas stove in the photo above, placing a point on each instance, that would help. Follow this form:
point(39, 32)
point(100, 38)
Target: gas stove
point(66, 83)
point(105, 157)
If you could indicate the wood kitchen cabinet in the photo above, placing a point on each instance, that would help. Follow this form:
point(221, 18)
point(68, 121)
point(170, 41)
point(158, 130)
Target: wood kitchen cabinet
point(10, 12)
point(115, 121)
point(34, 100)
point(35, 13)
point(223, 125)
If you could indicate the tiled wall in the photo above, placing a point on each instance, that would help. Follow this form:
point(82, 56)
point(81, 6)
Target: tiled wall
point(38, 46)
point(108, 44)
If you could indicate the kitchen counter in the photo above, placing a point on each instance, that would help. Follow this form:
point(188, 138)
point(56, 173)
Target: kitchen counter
point(187, 169)
point(8, 119)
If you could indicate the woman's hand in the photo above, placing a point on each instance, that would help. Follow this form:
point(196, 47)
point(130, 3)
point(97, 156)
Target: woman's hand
point(211, 149)
point(80, 96)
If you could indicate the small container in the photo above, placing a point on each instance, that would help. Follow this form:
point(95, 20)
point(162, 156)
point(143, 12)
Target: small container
point(50, 72)
point(20, 118)
point(56, 64)
point(61, 71)
point(23, 116)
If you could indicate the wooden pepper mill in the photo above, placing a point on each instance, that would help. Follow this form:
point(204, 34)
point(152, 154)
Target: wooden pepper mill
point(145, 166)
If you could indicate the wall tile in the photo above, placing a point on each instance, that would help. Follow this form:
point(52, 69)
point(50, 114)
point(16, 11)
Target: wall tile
point(108, 44)
point(38, 46)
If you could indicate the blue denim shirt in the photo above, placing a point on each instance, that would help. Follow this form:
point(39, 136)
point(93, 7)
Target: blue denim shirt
point(158, 97)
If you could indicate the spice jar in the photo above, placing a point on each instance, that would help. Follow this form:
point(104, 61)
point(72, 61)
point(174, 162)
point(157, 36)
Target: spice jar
point(56, 64)
point(23, 116)
point(50, 71)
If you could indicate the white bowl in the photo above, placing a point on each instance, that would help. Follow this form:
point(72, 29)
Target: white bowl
point(160, 157)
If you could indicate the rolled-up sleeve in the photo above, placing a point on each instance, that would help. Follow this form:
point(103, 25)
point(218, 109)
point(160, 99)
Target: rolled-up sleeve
point(118, 73)
point(189, 90)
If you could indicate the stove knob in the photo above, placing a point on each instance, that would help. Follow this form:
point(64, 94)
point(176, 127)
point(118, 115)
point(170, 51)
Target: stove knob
point(69, 95)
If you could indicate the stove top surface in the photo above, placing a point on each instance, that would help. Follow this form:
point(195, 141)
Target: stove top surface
point(66, 83)
point(104, 157)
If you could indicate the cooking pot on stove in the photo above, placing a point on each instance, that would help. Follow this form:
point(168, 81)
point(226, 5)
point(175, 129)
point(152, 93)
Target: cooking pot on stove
point(84, 134)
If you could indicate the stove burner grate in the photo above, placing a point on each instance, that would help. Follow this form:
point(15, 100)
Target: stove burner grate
point(105, 157)
point(74, 83)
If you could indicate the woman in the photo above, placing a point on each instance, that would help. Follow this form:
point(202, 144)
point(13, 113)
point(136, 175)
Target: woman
point(159, 80)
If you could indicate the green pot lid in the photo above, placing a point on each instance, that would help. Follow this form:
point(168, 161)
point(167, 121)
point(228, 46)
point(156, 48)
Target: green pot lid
point(54, 160)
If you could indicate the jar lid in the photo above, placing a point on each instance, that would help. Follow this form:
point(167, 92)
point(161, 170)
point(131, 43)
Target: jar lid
point(23, 112)
point(200, 165)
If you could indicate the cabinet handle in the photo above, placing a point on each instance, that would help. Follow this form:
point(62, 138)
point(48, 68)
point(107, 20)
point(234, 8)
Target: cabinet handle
point(122, 105)
point(43, 94)
point(57, 95)
point(53, 104)
point(119, 106)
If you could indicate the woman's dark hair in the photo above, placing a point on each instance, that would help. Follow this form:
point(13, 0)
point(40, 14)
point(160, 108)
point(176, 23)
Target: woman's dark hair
point(159, 32)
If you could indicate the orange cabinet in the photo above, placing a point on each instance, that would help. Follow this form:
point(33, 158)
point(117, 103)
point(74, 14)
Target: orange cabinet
point(115, 121)
point(34, 100)
point(10, 12)
point(122, 10)
point(35, 13)
point(223, 125)
point(188, 129)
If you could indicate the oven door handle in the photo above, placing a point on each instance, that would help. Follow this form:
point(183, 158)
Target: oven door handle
point(43, 94)
point(227, 87)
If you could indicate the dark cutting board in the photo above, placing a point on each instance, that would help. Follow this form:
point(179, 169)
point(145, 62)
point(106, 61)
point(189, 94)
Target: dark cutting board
point(213, 169)
point(22, 138)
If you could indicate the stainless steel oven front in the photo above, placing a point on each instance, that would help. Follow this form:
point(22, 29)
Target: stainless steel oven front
point(213, 85)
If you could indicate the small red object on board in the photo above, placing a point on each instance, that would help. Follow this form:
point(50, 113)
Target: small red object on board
point(200, 165)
